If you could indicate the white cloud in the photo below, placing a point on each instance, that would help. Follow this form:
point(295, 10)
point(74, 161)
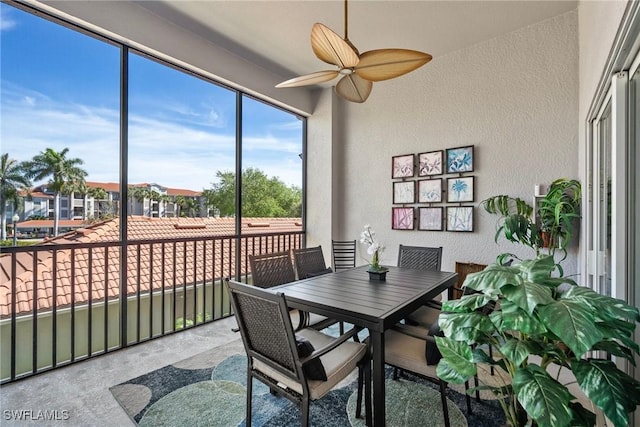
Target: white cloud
point(170, 153)
point(6, 23)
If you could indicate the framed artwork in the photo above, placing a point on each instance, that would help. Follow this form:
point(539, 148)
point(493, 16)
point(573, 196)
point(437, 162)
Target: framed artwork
point(430, 191)
point(460, 189)
point(402, 166)
point(402, 219)
point(430, 163)
point(460, 218)
point(460, 159)
point(404, 192)
point(430, 219)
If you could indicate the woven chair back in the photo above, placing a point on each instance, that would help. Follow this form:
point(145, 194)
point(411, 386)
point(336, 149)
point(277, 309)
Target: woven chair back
point(265, 325)
point(270, 270)
point(309, 261)
point(420, 257)
point(344, 254)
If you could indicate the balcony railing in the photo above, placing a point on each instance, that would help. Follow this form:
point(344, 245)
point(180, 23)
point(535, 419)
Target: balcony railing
point(64, 303)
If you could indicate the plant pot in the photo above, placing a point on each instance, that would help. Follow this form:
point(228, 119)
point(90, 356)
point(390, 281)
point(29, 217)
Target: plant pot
point(546, 239)
point(377, 275)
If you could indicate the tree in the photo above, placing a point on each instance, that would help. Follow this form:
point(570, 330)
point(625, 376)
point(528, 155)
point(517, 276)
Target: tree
point(261, 196)
point(65, 174)
point(138, 194)
point(99, 195)
point(13, 178)
point(187, 206)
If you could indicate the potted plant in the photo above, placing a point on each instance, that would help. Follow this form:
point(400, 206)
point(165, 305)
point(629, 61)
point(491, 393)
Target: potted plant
point(558, 211)
point(550, 226)
point(375, 249)
point(516, 222)
point(538, 324)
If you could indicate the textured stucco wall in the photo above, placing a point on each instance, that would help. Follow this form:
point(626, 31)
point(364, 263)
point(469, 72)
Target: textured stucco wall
point(514, 97)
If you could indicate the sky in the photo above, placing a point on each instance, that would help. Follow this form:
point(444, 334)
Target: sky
point(60, 89)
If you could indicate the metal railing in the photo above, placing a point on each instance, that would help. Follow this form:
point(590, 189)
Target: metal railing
point(70, 302)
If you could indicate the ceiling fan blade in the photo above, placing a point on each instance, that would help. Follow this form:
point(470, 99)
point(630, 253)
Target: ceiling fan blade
point(310, 79)
point(384, 64)
point(331, 48)
point(353, 88)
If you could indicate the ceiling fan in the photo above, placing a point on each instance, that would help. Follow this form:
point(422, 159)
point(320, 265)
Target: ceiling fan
point(358, 71)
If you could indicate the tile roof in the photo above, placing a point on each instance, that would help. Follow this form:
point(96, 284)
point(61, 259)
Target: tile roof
point(48, 223)
point(113, 187)
point(96, 269)
point(36, 194)
point(183, 192)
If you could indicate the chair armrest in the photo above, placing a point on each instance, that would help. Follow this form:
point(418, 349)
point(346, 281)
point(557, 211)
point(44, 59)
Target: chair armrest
point(331, 346)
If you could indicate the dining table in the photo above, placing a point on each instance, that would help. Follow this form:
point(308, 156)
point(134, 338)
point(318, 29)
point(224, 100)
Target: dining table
point(350, 296)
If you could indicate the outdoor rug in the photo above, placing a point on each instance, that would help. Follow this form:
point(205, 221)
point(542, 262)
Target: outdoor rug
point(209, 389)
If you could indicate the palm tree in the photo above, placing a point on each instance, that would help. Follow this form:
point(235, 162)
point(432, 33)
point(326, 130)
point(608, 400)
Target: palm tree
point(99, 194)
point(65, 174)
point(13, 178)
point(186, 206)
point(139, 194)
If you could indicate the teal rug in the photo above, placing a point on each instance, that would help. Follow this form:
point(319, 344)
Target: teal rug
point(209, 389)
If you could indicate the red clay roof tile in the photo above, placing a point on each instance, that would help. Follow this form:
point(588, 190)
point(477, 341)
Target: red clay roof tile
point(95, 269)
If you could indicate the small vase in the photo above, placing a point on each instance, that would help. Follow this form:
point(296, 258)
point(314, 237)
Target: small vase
point(379, 275)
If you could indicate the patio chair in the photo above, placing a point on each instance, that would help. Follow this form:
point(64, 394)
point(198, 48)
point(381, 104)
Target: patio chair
point(309, 262)
point(421, 258)
point(343, 254)
point(414, 350)
point(269, 270)
point(427, 315)
point(273, 269)
point(302, 366)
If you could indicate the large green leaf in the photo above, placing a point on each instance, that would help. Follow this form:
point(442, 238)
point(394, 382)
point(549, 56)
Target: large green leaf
point(465, 326)
point(603, 304)
point(467, 303)
point(545, 399)
point(537, 269)
point(517, 351)
point(614, 348)
point(456, 365)
point(573, 323)
point(511, 317)
point(528, 295)
point(492, 278)
point(613, 391)
point(620, 330)
point(582, 417)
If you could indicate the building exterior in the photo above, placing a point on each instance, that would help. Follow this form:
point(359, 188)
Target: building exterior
point(101, 200)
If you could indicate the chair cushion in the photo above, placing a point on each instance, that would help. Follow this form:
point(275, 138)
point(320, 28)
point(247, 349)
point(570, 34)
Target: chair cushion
point(424, 316)
point(313, 369)
point(319, 273)
point(407, 352)
point(338, 363)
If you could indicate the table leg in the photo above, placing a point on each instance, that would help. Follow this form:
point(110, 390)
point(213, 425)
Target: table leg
point(379, 414)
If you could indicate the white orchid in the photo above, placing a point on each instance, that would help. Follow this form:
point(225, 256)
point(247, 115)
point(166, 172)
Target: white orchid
point(375, 248)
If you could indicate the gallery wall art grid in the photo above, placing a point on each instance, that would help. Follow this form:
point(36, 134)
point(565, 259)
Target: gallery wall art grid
point(422, 178)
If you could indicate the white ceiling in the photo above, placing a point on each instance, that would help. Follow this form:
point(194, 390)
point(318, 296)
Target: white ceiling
point(275, 34)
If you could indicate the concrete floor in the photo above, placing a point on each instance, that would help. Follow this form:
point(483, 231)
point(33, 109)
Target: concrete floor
point(80, 392)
